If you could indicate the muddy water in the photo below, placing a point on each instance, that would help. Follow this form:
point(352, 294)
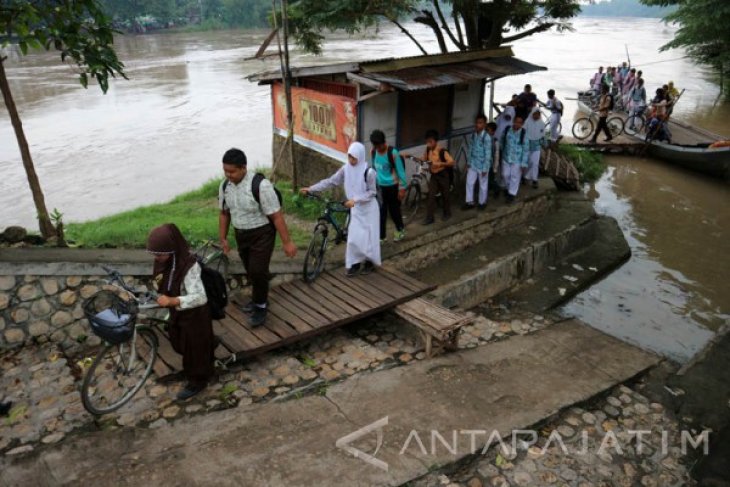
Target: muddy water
point(673, 293)
point(187, 101)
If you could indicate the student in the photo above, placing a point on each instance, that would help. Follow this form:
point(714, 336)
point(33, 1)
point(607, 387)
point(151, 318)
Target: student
point(181, 289)
point(637, 101)
point(525, 102)
point(478, 164)
point(504, 121)
point(440, 160)
point(604, 105)
point(535, 133)
point(556, 113)
point(514, 153)
point(363, 244)
point(597, 80)
point(256, 217)
point(391, 178)
point(495, 179)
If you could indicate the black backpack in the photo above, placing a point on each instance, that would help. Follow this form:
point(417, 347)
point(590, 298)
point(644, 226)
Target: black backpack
point(442, 154)
point(215, 290)
point(255, 188)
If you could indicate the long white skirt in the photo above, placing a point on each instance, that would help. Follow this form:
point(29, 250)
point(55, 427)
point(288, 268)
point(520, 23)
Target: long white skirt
point(363, 234)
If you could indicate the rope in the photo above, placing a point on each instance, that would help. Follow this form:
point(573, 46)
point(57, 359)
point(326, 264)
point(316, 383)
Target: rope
point(636, 64)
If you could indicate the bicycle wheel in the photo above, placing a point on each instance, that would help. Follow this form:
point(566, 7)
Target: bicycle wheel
point(583, 128)
point(314, 260)
point(115, 376)
point(615, 126)
point(634, 125)
point(411, 201)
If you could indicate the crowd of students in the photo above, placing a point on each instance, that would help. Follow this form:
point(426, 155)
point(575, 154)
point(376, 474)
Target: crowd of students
point(626, 85)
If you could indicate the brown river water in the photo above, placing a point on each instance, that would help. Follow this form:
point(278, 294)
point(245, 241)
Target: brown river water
point(187, 101)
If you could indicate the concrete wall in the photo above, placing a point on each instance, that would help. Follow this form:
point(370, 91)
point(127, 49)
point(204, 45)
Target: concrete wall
point(380, 112)
point(466, 105)
point(311, 165)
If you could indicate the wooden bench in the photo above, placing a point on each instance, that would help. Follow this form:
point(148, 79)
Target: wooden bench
point(434, 322)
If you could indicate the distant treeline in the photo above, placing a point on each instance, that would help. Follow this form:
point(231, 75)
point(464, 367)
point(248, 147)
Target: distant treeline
point(622, 8)
point(143, 15)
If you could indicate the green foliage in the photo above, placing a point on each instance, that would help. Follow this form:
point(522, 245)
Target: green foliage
point(78, 29)
point(195, 212)
point(590, 165)
point(703, 31)
point(481, 24)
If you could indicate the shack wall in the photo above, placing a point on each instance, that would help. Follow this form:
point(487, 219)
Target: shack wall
point(380, 112)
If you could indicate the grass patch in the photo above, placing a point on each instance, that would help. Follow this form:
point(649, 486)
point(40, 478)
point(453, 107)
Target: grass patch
point(194, 212)
point(590, 165)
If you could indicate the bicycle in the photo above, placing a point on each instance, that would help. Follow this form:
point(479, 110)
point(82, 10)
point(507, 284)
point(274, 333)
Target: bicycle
point(130, 348)
point(314, 259)
point(584, 126)
point(546, 118)
point(636, 122)
point(412, 199)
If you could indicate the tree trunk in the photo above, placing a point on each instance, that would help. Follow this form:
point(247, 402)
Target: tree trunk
point(428, 19)
point(44, 221)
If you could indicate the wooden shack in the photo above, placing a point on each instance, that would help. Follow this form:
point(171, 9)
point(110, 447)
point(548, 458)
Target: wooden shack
point(337, 104)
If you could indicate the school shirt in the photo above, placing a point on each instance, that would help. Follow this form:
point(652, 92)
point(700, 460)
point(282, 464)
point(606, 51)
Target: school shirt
point(436, 165)
point(192, 292)
point(384, 171)
point(638, 94)
point(246, 213)
point(480, 152)
point(554, 105)
point(513, 152)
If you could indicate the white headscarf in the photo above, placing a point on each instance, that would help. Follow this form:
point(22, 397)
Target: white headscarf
point(534, 129)
point(355, 183)
point(502, 122)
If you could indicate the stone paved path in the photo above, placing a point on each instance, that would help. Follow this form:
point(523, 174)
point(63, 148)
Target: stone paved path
point(510, 384)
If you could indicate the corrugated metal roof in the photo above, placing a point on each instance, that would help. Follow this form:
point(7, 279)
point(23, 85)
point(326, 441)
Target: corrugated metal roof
point(421, 72)
point(420, 78)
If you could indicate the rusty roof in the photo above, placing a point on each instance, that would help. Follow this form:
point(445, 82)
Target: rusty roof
point(420, 72)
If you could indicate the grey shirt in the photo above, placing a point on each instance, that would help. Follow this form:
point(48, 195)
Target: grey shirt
point(246, 213)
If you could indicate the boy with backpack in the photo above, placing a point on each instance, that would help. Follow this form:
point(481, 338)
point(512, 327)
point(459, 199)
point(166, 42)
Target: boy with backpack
point(479, 163)
point(251, 203)
point(556, 113)
point(515, 150)
point(604, 106)
point(391, 181)
point(439, 161)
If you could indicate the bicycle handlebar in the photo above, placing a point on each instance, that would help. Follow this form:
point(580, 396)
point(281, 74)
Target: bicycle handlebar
point(145, 299)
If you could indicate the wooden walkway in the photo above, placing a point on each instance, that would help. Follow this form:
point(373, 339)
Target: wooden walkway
point(298, 311)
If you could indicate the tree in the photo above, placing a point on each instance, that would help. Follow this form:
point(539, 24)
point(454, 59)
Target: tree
point(82, 34)
point(703, 32)
point(467, 24)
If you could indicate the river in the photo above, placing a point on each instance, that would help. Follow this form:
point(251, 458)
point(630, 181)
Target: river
point(187, 101)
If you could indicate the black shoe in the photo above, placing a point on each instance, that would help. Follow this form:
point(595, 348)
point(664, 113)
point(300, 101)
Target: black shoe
point(248, 308)
point(367, 268)
point(428, 221)
point(468, 206)
point(447, 216)
point(482, 207)
point(510, 199)
point(353, 271)
point(258, 317)
point(535, 185)
point(190, 390)
point(5, 408)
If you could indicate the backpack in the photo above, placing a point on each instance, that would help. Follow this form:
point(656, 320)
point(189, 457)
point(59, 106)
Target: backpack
point(255, 188)
point(215, 290)
point(391, 159)
point(504, 137)
point(555, 106)
point(442, 154)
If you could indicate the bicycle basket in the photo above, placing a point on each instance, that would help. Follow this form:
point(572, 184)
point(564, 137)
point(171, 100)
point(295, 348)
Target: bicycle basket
point(111, 317)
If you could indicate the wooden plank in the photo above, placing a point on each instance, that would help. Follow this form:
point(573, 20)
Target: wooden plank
point(346, 303)
point(280, 312)
point(246, 338)
point(412, 283)
point(326, 299)
point(311, 317)
point(354, 283)
point(389, 286)
point(259, 332)
point(167, 353)
point(350, 292)
point(229, 339)
point(306, 295)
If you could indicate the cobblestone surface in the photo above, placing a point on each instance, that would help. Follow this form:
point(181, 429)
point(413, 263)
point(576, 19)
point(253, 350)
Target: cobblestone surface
point(44, 384)
point(584, 446)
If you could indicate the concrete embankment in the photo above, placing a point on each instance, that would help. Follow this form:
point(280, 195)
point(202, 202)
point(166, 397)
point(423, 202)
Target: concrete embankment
point(509, 385)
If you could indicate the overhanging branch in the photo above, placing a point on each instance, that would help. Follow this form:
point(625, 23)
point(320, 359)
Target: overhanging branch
point(428, 19)
point(410, 36)
point(446, 27)
point(529, 32)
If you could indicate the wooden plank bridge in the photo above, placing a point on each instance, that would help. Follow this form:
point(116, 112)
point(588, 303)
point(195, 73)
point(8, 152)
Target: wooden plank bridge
point(299, 310)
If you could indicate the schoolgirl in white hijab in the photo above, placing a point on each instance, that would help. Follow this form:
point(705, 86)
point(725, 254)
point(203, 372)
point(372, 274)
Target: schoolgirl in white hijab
point(535, 134)
point(363, 236)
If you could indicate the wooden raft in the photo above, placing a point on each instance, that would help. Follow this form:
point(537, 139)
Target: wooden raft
point(434, 323)
point(299, 310)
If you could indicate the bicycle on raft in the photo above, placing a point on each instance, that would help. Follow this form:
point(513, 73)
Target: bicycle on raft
point(321, 237)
